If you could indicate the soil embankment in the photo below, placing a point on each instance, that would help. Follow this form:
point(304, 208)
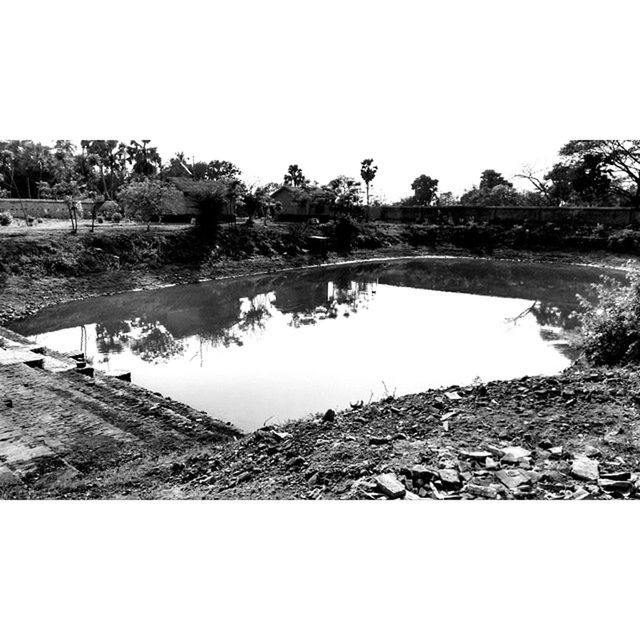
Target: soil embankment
point(571, 436)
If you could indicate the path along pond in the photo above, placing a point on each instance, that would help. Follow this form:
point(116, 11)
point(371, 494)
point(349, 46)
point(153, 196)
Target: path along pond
point(280, 346)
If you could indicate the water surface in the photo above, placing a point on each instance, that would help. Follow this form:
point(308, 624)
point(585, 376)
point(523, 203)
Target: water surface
point(270, 348)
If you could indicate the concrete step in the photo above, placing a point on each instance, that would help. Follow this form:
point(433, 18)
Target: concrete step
point(9, 357)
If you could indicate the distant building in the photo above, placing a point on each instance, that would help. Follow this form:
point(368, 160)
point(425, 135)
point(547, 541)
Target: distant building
point(188, 207)
point(299, 204)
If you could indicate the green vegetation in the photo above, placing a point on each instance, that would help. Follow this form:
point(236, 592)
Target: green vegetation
point(611, 325)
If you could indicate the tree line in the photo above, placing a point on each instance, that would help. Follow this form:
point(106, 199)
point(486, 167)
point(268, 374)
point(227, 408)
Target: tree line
point(588, 173)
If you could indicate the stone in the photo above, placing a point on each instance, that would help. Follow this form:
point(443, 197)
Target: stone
point(452, 395)
point(490, 492)
point(389, 484)
point(591, 452)
point(449, 478)
point(329, 416)
point(490, 463)
point(515, 454)
point(621, 486)
point(513, 478)
point(379, 440)
point(409, 495)
point(420, 472)
point(480, 456)
point(556, 452)
point(585, 469)
point(580, 494)
point(618, 475)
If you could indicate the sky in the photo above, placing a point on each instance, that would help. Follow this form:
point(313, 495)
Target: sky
point(442, 88)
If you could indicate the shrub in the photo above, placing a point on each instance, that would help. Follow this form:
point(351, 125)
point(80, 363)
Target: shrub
point(625, 241)
point(100, 219)
point(5, 218)
point(610, 331)
point(116, 217)
point(108, 209)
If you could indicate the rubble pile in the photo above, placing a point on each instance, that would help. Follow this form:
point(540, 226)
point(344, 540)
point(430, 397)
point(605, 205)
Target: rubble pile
point(573, 436)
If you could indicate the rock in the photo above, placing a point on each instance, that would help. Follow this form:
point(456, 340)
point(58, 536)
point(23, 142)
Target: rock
point(409, 495)
point(580, 494)
point(389, 484)
point(329, 416)
point(423, 493)
point(490, 463)
point(282, 435)
point(480, 456)
point(515, 454)
point(482, 491)
point(591, 452)
point(379, 440)
point(618, 475)
point(513, 478)
point(556, 452)
point(621, 486)
point(452, 395)
point(449, 478)
point(8, 402)
point(420, 472)
point(585, 469)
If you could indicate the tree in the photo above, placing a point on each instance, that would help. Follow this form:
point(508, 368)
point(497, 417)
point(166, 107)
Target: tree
point(611, 166)
point(294, 176)
point(148, 199)
point(346, 193)
point(447, 199)
point(109, 157)
point(494, 190)
point(71, 191)
point(425, 190)
point(368, 172)
point(222, 169)
point(491, 178)
point(145, 161)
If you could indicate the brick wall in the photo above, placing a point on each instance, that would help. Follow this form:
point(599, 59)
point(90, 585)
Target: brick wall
point(610, 216)
point(41, 208)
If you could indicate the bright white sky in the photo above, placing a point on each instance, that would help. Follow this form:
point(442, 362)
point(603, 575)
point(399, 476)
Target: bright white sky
point(443, 88)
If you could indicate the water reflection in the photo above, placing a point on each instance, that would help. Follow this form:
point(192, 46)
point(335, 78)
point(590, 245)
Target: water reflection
point(290, 343)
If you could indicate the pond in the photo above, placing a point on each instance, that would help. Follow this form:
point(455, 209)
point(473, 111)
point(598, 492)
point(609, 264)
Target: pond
point(280, 346)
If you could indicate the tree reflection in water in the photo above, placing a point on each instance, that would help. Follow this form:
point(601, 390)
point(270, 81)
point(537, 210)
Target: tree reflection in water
point(150, 340)
point(155, 343)
point(343, 298)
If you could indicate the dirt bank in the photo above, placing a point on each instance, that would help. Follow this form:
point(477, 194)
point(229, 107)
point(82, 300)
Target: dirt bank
point(573, 436)
point(48, 268)
point(570, 436)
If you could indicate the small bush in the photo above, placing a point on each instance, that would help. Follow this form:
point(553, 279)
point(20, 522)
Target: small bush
point(5, 218)
point(625, 241)
point(100, 219)
point(610, 332)
point(116, 217)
